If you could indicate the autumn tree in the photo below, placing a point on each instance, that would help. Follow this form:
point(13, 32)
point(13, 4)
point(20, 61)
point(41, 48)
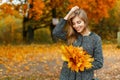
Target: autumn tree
point(9, 22)
point(96, 9)
point(110, 25)
point(31, 11)
point(9, 9)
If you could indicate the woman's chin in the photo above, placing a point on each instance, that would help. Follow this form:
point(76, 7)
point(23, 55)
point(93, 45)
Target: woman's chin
point(79, 31)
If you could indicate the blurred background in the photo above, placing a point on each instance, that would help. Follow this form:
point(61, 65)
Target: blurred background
point(32, 21)
point(26, 41)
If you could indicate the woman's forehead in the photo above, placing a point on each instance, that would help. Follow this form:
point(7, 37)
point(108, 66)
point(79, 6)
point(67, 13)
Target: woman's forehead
point(77, 18)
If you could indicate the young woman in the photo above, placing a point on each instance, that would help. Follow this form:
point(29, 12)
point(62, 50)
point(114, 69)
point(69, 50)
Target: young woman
point(78, 34)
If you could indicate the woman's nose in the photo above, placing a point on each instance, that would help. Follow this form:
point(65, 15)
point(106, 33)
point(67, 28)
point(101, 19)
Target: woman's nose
point(76, 25)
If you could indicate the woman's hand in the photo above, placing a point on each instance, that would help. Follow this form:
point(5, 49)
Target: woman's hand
point(70, 12)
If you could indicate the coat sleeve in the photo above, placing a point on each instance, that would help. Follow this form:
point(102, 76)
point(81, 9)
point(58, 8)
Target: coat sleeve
point(97, 55)
point(58, 31)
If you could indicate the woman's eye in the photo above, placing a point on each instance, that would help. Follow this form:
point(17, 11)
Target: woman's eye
point(79, 22)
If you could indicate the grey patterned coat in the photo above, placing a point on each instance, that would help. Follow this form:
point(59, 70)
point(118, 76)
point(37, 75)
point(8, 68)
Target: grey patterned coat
point(91, 43)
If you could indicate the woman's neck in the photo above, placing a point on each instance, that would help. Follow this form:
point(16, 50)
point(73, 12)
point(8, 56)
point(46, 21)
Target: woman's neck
point(85, 32)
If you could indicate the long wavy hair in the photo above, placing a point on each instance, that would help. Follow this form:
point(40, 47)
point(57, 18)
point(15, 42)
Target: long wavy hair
point(72, 34)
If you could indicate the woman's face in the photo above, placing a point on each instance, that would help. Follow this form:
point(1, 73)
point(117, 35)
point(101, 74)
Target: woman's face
point(78, 24)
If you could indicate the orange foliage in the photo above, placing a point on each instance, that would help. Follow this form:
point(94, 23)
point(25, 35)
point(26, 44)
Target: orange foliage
point(8, 9)
point(36, 11)
point(95, 9)
point(56, 3)
point(77, 58)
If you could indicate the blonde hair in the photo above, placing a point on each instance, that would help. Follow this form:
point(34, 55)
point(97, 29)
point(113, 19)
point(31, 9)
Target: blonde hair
point(71, 33)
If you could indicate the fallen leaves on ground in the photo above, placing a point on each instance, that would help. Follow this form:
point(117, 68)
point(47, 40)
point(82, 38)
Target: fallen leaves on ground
point(43, 62)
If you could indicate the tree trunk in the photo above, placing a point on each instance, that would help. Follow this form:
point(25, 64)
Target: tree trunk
point(24, 29)
point(52, 24)
point(30, 34)
point(26, 32)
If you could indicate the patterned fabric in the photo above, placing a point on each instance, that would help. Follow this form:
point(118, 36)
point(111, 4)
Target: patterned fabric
point(90, 43)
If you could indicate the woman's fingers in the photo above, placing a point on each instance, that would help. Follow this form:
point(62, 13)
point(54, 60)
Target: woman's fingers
point(70, 12)
point(74, 8)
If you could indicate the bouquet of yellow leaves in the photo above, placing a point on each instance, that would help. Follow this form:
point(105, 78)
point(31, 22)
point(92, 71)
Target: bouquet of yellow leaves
point(77, 58)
